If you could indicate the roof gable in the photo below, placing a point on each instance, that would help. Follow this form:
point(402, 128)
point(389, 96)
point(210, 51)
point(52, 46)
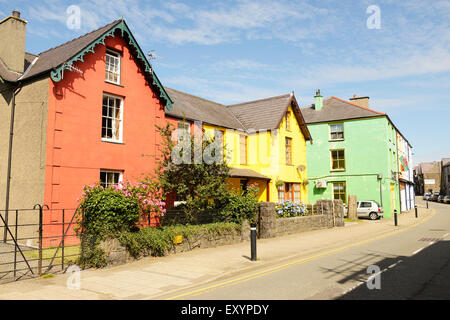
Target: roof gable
point(61, 58)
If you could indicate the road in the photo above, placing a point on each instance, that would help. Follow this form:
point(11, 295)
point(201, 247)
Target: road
point(414, 264)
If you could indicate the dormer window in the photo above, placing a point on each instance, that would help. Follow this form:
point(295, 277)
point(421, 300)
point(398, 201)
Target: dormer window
point(112, 67)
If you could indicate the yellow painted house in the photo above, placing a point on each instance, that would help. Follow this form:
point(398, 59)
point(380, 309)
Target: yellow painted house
point(264, 141)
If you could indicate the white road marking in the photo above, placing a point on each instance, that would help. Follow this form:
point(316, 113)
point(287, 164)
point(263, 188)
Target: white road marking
point(445, 235)
point(393, 265)
point(372, 276)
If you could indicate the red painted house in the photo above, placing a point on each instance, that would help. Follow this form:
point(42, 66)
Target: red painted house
point(84, 112)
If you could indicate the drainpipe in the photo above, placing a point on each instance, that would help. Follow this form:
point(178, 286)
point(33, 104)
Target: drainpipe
point(15, 91)
point(380, 177)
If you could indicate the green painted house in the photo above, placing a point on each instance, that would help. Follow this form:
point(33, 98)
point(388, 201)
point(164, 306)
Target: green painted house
point(353, 152)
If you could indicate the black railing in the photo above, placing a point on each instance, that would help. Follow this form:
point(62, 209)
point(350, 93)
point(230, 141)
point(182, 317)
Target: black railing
point(37, 241)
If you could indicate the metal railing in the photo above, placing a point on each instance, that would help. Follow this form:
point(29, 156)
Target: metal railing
point(37, 241)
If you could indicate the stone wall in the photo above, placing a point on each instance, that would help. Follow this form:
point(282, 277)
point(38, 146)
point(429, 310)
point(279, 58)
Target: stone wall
point(116, 254)
point(330, 213)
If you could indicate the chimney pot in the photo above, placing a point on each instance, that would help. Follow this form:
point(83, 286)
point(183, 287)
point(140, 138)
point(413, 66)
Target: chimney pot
point(16, 13)
point(355, 96)
point(318, 101)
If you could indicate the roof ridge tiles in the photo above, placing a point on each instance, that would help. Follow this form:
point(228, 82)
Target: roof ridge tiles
point(258, 100)
point(197, 97)
point(353, 104)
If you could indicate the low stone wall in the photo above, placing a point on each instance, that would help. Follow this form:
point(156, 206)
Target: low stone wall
point(117, 254)
point(293, 225)
point(330, 213)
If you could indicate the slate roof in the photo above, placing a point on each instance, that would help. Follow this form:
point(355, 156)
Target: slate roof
point(189, 107)
point(52, 58)
point(6, 74)
point(264, 114)
point(55, 57)
point(335, 109)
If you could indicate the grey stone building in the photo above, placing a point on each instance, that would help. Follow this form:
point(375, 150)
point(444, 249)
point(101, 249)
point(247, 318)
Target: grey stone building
point(428, 177)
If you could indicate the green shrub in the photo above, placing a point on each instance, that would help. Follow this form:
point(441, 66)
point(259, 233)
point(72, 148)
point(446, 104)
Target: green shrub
point(106, 211)
point(92, 258)
point(241, 206)
point(158, 241)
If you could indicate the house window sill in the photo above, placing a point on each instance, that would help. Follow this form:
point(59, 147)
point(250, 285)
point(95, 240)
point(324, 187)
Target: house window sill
point(116, 84)
point(112, 141)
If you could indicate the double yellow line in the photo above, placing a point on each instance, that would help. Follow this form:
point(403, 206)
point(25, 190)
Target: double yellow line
point(296, 262)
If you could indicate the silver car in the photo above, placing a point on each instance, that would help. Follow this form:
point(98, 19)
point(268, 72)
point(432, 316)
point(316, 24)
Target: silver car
point(367, 209)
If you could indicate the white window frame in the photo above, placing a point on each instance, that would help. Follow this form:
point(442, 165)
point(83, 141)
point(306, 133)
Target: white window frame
point(115, 55)
point(330, 132)
point(110, 172)
point(120, 139)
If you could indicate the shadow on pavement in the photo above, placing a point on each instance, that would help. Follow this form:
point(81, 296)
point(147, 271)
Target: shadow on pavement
point(423, 276)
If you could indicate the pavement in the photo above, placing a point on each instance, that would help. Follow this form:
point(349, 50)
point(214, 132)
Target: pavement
point(166, 277)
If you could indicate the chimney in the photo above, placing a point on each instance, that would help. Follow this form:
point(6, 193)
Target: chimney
point(12, 48)
point(318, 101)
point(360, 101)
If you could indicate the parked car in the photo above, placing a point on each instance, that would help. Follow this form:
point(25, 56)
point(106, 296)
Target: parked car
point(441, 199)
point(434, 197)
point(426, 196)
point(447, 199)
point(367, 209)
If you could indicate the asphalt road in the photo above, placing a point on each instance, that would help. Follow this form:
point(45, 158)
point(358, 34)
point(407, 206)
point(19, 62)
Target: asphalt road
point(414, 264)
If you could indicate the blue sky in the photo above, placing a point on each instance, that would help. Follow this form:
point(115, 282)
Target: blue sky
point(235, 51)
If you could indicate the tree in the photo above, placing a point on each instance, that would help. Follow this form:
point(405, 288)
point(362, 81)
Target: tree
point(193, 169)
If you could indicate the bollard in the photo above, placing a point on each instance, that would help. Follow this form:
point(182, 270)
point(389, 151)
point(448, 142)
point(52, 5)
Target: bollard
point(253, 241)
point(427, 204)
point(395, 217)
point(415, 208)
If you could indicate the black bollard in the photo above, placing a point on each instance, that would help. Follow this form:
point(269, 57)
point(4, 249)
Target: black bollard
point(415, 208)
point(253, 241)
point(395, 217)
point(427, 204)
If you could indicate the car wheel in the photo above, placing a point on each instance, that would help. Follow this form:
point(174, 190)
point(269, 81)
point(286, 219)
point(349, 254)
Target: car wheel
point(373, 216)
